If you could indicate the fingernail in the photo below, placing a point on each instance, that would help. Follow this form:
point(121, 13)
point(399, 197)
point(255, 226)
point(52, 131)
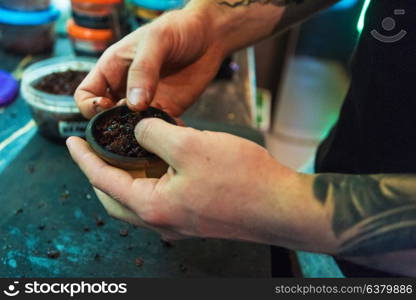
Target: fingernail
point(105, 103)
point(137, 96)
point(99, 109)
point(96, 105)
point(141, 126)
point(121, 102)
point(68, 141)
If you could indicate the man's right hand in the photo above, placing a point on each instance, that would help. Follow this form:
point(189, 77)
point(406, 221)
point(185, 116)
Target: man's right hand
point(166, 64)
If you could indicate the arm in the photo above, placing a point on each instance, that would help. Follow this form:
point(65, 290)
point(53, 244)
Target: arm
point(349, 215)
point(240, 23)
point(369, 214)
point(373, 218)
point(369, 219)
point(222, 186)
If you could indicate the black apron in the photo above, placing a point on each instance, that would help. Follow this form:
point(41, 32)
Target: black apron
point(376, 130)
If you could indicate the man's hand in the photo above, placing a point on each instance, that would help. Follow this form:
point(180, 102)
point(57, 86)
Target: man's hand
point(217, 185)
point(222, 186)
point(166, 64)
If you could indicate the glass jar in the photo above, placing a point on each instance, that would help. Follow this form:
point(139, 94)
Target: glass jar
point(28, 32)
point(26, 5)
point(87, 41)
point(101, 14)
point(57, 116)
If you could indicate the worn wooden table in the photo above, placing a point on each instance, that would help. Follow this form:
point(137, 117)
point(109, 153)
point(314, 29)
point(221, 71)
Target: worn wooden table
point(47, 204)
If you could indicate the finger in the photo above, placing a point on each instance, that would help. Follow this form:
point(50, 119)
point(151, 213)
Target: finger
point(115, 182)
point(122, 102)
point(164, 139)
point(90, 105)
point(172, 236)
point(98, 104)
point(179, 122)
point(110, 180)
point(143, 75)
point(106, 80)
point(91, 95)
point(117, 210)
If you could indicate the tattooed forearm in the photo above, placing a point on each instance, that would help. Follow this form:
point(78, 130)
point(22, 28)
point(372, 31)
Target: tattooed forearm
point(248, 2)
point(371, 214)
point(294, 10)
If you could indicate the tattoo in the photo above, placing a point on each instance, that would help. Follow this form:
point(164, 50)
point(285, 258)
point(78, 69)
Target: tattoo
point(371, 214)
point(249, 2)
point(295, 10)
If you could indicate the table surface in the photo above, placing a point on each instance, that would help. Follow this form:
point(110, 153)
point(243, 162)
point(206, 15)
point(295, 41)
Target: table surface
point(47, 204)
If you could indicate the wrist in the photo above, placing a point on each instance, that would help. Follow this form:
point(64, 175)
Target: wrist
point(233, 28)
point(296, 220)
point(212, 15)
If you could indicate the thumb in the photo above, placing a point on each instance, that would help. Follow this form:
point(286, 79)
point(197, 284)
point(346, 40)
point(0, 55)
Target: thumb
point(170, 142)
point(143, 75)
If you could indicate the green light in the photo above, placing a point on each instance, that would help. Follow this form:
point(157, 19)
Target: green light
point(360, 25)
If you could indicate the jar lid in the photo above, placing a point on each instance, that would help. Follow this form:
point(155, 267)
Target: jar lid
point(98, 1)
point(84, 33)
point(159, 4)
point(8, 88)
point(30, 18)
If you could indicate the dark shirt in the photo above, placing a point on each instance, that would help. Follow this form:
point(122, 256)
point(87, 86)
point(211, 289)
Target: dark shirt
point(376, 130)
